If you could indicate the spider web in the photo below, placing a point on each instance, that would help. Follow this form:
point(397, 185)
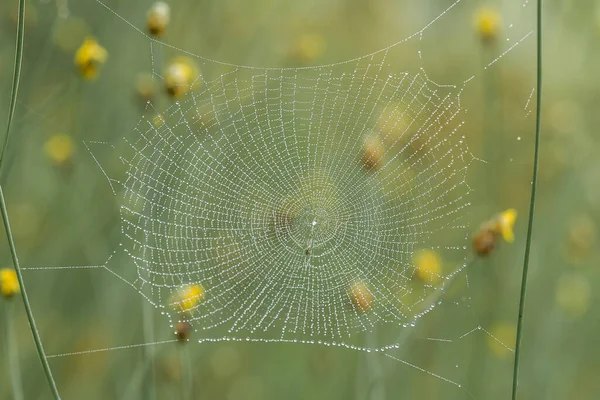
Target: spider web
point(256, 185)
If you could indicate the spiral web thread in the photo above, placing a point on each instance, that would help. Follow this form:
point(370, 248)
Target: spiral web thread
point(257, 186)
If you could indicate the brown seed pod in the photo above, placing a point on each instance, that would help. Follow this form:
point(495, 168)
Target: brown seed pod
point(484, 242)
point(183, 331)
point(360, 296)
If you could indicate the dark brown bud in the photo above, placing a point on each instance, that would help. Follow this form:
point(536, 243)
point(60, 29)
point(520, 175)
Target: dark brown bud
point(183, 331)
point(484, 242)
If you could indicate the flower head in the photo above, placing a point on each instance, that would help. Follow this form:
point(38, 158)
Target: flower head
point(502, 225)
point(158, 18)
point(188, 297)
point(89, 57)
point(180, 75)
point(310, 47)
point(59, 148)
point(182, 331)
point(145, 86)
point(487, 23)
point(9, 284)
point(373, 151)
point(360, 296)
point(428, 265)
point(505, 223)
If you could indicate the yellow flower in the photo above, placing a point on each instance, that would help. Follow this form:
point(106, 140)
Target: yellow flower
point(428, 265)
point(581, 237)
point(180, 75)
point(158, 18)
point(310, 47)
point(360, 296)
point(502, 224)
point(158, 120)
point(505, 223)
point(189, 297)
point(89, 57)
point(9, 284)
point(145, 86)
point(59, 148)
point(373, 152)
point(501, 339)
point(487, 23)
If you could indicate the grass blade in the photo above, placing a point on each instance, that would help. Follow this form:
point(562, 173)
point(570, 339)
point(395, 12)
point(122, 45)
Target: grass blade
point(531, 203)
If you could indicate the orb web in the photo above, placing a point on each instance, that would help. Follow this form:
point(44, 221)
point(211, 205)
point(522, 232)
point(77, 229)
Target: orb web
point(257, 186)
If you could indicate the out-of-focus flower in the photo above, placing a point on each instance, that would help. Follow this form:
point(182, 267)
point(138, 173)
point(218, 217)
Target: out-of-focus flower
point(360, 296)
point(373, 152)
point(89, 57)
point(502, 225)
point(487, 22)
point(145, 87)
point(182, 331)
point(158, 120)
point(309, 47)
point(428, 265)
point(9, 284)
point(581, 235)
point(189, 297)
point(158, 18)
point(501, 339)
point(59, 148)
point(573, 294)
point(180, 75)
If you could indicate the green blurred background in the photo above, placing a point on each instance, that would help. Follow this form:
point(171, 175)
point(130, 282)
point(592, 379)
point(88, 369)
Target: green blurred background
point(64, 214)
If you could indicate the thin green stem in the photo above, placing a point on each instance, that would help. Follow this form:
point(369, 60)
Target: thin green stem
point(538, 124)
point(148, 389)
point(16, 74)
point(13, 353)
point(186, 364)
point(11, 243)
point(34, 331)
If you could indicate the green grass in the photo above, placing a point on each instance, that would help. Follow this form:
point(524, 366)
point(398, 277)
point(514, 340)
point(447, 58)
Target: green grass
point(534, 184)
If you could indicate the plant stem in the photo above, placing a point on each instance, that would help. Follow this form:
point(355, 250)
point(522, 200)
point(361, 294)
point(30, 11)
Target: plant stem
point(538, 123)
point(11, 243)
point(148, 389)
point(34, 331)
point(186, 365)
point(13, 354)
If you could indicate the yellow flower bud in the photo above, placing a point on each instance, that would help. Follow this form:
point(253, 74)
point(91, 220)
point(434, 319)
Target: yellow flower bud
point(59, 148)
point(487, 23)
point(158, 18)
point(9, 284)
point(428, 265)
point(89, 57)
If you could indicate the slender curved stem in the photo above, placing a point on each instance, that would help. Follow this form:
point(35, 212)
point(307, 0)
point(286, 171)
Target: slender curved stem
point(11, 242)
point(538, 123)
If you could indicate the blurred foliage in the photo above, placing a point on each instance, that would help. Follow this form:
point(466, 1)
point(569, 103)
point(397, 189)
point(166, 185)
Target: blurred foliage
point(63, 212)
